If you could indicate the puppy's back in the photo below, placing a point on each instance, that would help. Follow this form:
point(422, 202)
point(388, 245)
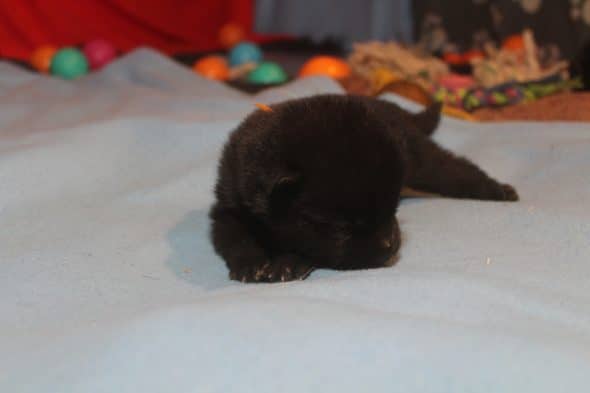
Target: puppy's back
point(339, 142)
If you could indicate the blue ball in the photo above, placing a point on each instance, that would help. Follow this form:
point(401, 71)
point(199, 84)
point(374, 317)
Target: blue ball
point(244, 52)
point(267, 73)
point(69, 63)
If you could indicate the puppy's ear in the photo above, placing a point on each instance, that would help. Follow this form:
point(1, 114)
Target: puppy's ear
point(427, 120)
point(285, 189)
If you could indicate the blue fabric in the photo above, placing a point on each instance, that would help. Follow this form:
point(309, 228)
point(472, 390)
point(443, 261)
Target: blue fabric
point(108, 282)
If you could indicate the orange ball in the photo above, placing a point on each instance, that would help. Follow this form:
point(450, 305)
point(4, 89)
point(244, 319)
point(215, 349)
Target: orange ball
point(453, 58)
point(230, 35)
point(514, 43)
point(212, 67)
point(472, 55)
point(41, 58)
point(331, 66)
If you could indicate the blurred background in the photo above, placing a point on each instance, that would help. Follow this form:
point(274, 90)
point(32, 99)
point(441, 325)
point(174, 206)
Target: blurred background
point(469, 54)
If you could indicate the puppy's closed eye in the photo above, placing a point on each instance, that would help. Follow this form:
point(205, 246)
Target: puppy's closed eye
point(283, 193)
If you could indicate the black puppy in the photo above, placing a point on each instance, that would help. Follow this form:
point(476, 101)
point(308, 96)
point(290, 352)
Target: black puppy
point(315, 183)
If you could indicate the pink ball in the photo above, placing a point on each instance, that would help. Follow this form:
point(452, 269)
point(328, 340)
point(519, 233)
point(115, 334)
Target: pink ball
point(99, 52)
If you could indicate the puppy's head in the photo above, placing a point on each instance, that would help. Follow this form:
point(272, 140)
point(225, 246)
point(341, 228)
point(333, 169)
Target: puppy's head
point(335, 197)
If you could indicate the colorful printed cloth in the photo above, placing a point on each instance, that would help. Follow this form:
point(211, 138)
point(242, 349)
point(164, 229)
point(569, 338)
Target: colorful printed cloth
point(501, 95)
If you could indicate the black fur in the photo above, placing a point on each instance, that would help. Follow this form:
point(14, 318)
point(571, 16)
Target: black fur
point(316, 183)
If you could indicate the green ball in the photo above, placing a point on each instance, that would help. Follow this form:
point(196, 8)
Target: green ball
point(69, 63)
point(267, 73)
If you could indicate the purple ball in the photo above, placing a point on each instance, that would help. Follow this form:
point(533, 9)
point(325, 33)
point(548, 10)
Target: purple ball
point(99, 52)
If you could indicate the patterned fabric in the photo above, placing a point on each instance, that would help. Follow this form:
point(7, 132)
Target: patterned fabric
point(506, 94)
point(560, 27)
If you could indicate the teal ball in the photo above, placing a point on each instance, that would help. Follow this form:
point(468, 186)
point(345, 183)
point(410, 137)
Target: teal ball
point(245, 52)
point(267, 73)
point(69, 63)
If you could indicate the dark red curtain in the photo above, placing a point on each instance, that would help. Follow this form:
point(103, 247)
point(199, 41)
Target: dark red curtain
point(172, 26)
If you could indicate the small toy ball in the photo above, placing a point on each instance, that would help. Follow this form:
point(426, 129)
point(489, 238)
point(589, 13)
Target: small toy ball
point(453, 58)
point(212, 67)
point(69, 63)
point(473, 54)
point(267, 73)
point(514, 43)
point(333, 67)
point(99, 53)
point(244, 52)
point(230, 35)
point(41, 58)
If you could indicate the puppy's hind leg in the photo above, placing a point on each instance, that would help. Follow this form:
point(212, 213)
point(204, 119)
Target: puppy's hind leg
point(435, 170)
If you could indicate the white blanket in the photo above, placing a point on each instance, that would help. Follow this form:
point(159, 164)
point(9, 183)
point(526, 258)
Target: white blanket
point(108, 281)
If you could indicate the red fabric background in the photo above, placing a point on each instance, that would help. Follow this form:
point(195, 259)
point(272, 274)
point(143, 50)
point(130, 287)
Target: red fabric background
point(172, 26)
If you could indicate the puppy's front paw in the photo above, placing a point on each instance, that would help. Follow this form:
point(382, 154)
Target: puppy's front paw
point(251, 273)
point(290, 267)
point(494, 191)
point(509, 193)
point(282, 268)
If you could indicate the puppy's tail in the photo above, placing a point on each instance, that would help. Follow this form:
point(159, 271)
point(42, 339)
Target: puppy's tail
point(427, 120)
